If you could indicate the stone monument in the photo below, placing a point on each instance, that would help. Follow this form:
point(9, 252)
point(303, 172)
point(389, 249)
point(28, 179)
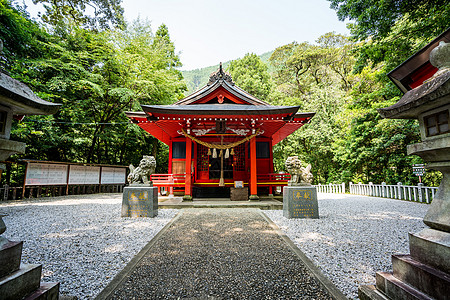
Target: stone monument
point(140, 198)
point(299, 197)
point(425, 272)
point(21, 281)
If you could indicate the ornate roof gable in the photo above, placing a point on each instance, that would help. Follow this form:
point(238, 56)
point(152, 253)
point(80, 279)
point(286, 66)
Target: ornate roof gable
point(221, 86)
point(220, 75)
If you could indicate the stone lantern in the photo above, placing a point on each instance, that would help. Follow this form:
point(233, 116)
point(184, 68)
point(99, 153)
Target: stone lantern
point(17, 280)
point(425, 272)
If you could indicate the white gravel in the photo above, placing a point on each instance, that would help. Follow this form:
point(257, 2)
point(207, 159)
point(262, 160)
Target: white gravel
point(81, 241)
point(354, 237)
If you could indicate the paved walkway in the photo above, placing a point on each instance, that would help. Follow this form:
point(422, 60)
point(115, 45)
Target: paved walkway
point(217, 254)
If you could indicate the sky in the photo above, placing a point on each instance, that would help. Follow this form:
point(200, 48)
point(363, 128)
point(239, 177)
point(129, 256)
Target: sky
point(206, 32)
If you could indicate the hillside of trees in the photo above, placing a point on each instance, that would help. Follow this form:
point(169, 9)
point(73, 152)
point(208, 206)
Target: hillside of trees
point(98, 67)
point(198, 78)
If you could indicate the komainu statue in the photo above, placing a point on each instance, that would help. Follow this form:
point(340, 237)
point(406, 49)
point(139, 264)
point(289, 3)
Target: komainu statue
point(141, 174)
point(299, 174)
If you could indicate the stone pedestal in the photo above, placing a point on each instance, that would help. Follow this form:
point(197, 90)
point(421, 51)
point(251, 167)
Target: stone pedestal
point(140, 201)
point(239, 194)
point(300, 202)
point(21, 281)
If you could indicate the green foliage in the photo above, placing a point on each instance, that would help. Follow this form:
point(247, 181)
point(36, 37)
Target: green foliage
point(393, 29)
point(198, 78)
point(96, 76)
point(251, 74)
point(105, 13)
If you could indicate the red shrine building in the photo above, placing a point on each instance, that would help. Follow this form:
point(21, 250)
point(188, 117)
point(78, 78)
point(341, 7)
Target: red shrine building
point(219, 137)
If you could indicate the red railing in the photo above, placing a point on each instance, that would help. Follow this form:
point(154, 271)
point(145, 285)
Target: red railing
point(166, 182)
point(274, 178)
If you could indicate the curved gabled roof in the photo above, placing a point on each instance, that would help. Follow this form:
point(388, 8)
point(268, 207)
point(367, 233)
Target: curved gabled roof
point(21, 99)
point(216, 80)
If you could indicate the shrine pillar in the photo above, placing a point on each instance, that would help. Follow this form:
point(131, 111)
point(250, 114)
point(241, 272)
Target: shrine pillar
point(188, 180)
point(253, 176)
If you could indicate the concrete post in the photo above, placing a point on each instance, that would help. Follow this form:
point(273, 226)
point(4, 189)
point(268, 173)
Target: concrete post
point(399, 193)
point(383, 189)
point(419, 190)
point(5, 192)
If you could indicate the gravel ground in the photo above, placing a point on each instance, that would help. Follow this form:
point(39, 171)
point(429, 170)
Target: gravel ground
point(220, 254)
point(354, 237)
point(81, 241)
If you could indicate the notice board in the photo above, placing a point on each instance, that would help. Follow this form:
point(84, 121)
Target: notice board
point(46, 174)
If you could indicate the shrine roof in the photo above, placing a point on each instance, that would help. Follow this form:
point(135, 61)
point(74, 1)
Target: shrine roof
point(221, 79)
point(21, 98)
point(220, 109)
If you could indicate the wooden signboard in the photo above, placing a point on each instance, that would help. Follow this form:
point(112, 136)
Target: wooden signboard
point(84, 175)
point(112, 175)
point(46, 174)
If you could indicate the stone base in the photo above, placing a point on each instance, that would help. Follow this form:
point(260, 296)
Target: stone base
point(239, 194)
point(140, 201)
point(253, 198)
point(10, 255)
point(21, 283)
point(431, 247)
point(422, 275)
point(47, 291)
point(187, 198)
point(300, 202)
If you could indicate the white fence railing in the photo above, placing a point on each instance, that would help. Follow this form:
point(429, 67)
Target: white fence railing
point(419, 193)
point(331, 188)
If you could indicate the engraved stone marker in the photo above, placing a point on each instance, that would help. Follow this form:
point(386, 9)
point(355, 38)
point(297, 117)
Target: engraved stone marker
point(300, 202)
point(140, 201)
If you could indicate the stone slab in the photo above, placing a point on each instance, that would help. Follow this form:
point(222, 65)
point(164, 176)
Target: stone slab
point(20, 283)
point(428, 280)
point(47, 291)
point(370, 292)
point(394, 288)
point(431, 247)
point(10, 254)
point(239, 194)
point(300, 202)
point(140, 202)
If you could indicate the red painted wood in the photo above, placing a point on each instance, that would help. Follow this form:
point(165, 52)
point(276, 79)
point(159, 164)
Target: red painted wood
point(253, 169)
point(188, 180)
point(423, 73)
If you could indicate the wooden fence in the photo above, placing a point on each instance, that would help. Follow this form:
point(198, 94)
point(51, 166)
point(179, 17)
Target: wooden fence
point(15, 193)
point(331, 188)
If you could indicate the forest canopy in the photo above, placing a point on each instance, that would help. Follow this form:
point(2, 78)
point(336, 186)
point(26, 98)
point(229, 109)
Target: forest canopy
point(98, 66)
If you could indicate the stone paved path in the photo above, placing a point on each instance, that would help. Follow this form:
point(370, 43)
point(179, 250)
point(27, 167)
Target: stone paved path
point(220, 254)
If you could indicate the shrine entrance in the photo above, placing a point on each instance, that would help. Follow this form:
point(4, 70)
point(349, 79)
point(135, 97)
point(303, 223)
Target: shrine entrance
point(215, 168)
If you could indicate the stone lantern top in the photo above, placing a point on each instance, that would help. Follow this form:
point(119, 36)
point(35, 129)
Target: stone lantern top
point(430, 94)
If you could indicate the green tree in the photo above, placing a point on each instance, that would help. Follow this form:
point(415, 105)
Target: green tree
point(393, 29)
point(104, 14)
point(96, 76)
point(252, 75)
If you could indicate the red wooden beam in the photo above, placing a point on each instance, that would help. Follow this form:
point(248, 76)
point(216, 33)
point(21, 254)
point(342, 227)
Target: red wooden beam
point(253, 174)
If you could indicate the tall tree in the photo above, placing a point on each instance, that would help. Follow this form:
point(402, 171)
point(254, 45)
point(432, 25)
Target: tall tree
point(394, 29)
point(93, 14)
point(252, 75)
